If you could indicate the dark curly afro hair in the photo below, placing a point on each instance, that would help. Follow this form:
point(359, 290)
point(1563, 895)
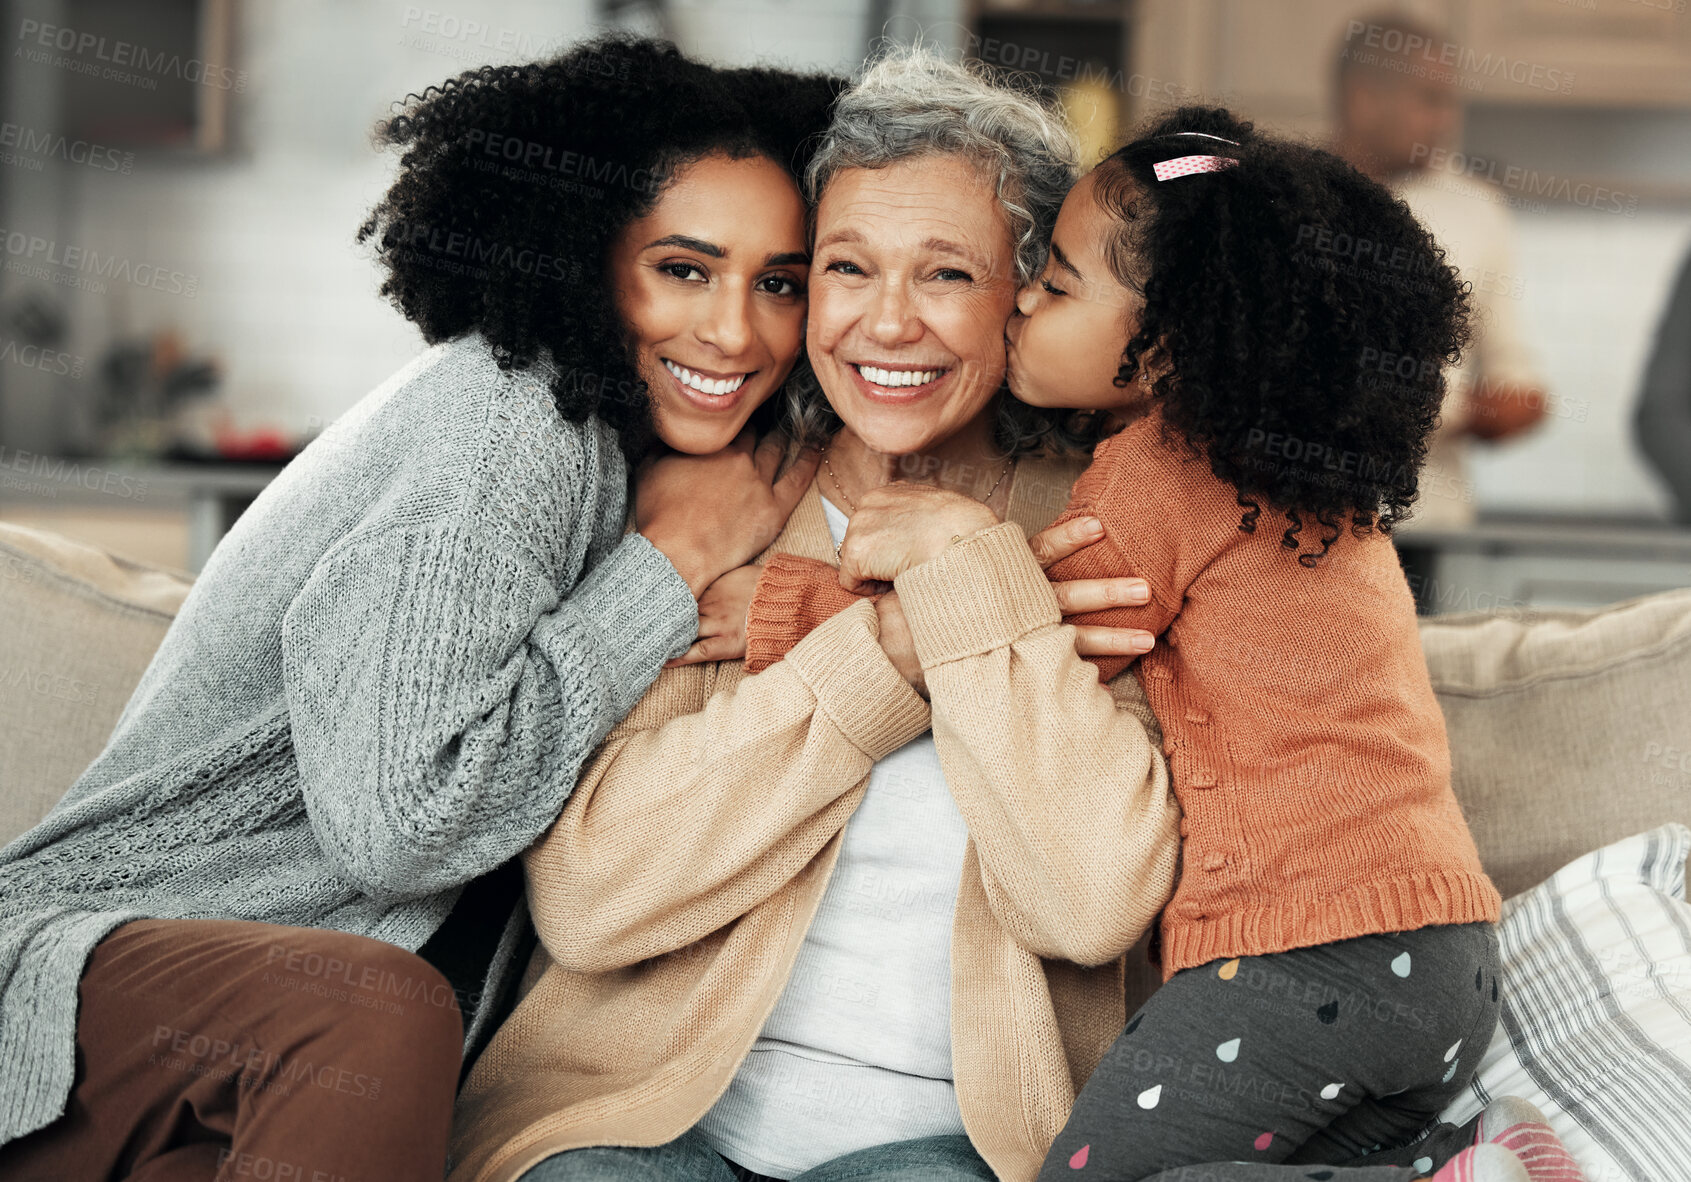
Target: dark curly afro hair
point(515, 180)
point(1297, 321)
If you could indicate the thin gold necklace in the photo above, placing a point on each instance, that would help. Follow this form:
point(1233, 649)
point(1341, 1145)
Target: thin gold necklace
point(849, 505)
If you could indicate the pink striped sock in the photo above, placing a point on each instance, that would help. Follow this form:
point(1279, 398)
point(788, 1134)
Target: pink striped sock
point(1519, 1127)
point(1483, 1163)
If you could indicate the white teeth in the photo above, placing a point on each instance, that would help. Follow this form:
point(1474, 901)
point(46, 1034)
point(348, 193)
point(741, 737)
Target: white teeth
point(899, 377)
point(702, 384)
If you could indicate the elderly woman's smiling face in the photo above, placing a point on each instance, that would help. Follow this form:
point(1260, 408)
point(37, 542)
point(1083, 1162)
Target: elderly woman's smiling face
point(911, 283)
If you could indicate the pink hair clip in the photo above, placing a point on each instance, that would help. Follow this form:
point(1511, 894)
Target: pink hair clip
point(1167, 170)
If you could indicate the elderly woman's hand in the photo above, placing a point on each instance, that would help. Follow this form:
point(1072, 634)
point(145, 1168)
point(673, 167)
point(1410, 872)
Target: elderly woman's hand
point(723, 607)
point(907, 528)
point(1074, 596)
point(901, 525)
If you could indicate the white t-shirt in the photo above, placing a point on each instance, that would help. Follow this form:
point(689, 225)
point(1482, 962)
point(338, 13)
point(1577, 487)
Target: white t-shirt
point(1470, 219)
point(857, 1051)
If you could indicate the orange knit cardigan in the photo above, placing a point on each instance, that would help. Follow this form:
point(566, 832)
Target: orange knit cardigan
point(1306, 748)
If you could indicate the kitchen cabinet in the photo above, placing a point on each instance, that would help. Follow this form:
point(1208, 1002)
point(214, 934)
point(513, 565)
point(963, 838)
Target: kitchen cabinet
point(1629, 53)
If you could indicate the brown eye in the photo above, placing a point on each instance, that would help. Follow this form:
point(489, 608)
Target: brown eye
point(682, 270)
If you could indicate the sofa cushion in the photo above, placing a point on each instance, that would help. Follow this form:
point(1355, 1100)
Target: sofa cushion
point(1569, 730)
point(81, 626)
point(1596, 1021)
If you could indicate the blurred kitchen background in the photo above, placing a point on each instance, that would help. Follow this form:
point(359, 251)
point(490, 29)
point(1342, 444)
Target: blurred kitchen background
point(182, 304)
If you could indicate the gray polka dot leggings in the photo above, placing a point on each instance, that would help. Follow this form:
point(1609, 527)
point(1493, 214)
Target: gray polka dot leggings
point(1329, 1062)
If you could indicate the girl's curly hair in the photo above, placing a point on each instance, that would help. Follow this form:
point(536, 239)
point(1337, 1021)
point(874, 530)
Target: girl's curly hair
point(1297, 321)
point(515, 181)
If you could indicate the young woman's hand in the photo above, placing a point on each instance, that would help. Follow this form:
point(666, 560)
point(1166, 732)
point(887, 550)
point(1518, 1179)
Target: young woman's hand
point(722, 618)
point(710, 514)
point(901, 525)
point(1075, 596)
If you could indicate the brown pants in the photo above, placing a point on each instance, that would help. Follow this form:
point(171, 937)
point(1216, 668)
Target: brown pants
point(227, 1050)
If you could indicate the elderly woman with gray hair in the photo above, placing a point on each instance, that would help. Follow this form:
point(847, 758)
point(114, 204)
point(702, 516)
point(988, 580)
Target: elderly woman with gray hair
point(834, 920)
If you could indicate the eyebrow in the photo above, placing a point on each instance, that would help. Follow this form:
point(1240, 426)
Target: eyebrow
point(942, 245)
point(1063, 261)
point(710, 249)
point(840, 236)
point(686, 243)
point(945, 246)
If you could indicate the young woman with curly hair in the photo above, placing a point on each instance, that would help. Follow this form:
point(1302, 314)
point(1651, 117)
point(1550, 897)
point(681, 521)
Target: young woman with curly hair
point(386, 680)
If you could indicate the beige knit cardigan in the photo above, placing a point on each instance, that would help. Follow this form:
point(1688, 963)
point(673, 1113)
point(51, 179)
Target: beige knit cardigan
point(672, 895)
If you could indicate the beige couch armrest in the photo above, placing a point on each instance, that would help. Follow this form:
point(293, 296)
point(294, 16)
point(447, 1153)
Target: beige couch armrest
point(81, 626)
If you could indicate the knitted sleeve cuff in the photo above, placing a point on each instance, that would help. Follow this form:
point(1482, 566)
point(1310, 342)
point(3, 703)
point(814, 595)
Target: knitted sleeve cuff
point(641, 611)
point(793, 595)
point(856, 685)
point(979, 594)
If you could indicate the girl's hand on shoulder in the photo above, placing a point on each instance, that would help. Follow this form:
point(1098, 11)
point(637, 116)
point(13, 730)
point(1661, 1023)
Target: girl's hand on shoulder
point(722, 618)
point(901, 525)
point(1077, 596)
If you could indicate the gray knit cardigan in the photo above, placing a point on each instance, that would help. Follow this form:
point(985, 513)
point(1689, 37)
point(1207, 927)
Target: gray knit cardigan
point(382, 686)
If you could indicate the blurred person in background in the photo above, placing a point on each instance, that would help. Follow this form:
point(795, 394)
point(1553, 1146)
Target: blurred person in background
point(1662, 420)
point(1397, 113)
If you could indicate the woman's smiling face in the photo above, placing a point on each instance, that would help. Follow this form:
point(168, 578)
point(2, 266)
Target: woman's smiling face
point(711, 286)
point(912, 282)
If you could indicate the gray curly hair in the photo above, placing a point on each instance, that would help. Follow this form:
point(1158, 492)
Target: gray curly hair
point(910, 102)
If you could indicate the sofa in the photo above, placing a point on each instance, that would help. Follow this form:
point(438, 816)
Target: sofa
point(1569, 730)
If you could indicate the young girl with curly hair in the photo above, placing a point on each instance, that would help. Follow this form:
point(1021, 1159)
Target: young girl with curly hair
point(1272, 328)
point(240, 943)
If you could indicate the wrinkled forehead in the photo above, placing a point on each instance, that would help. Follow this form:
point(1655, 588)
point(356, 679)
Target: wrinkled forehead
point(933, 203)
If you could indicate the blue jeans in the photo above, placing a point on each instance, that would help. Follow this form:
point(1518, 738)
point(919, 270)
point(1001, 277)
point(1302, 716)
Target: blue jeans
point(689, 1158)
